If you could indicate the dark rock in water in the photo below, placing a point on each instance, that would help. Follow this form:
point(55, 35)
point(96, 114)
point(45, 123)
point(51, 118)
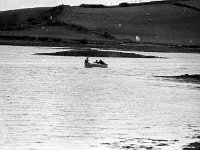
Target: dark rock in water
point(175, 140)
point(162, 144)
point(186, 78)
point(158, 140)
point(198, 137)
point(193, 146)
point(96, 53)
point(127, 147)
point(196, 76)
point(106, 143)
point(146, 147)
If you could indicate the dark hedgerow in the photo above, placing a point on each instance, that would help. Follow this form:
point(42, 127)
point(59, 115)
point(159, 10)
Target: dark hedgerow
point(83, 41)
point(57, 10)
point(43, 39)
point(57, 40)
point(124, 4)
point(92, 6)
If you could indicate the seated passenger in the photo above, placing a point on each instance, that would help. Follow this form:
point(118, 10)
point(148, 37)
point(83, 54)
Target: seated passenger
point(87, 60)
point(101, 62)
point(96, 61)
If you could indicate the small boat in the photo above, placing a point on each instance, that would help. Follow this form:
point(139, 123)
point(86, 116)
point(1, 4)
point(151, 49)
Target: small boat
point(91, 65)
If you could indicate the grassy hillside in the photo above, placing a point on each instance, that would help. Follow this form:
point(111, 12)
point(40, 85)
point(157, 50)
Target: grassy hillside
point(154, 23)
point(157, 22)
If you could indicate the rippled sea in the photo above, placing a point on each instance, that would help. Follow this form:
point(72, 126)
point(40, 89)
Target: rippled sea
point(54, 103)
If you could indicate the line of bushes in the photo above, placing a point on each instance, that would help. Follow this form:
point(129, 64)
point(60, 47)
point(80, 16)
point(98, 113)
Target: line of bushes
point(58, 10)
point(93, 6)
point(125, 4)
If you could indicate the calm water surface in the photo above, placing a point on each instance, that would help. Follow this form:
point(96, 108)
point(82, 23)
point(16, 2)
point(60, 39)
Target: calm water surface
point(50, 102)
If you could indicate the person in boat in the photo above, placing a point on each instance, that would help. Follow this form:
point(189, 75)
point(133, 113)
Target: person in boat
point(96, 62)
point(87, 60)
point(101, 62)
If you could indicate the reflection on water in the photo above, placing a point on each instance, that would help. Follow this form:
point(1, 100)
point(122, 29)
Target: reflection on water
point(50, 102)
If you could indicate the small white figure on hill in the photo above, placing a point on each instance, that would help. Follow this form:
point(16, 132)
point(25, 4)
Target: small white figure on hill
point(137, 38)
point(87, 60)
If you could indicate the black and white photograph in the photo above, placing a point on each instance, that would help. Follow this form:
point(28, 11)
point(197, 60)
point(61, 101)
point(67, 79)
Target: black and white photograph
point(99, 74)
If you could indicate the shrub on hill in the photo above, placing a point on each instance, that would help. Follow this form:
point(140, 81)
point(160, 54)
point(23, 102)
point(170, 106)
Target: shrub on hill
point(83, 41)
point(124, 4)
point(44, 39)
point(57, 10)
point(56, 40)
point(92, 6)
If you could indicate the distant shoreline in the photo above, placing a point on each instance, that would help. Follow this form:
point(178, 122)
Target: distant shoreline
point(96, 53)
point(193, 78)
point(117, 45)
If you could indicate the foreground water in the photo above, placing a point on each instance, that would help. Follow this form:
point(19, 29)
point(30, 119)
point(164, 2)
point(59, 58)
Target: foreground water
point(50, 102)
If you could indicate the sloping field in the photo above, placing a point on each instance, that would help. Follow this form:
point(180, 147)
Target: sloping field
point(155, 23)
